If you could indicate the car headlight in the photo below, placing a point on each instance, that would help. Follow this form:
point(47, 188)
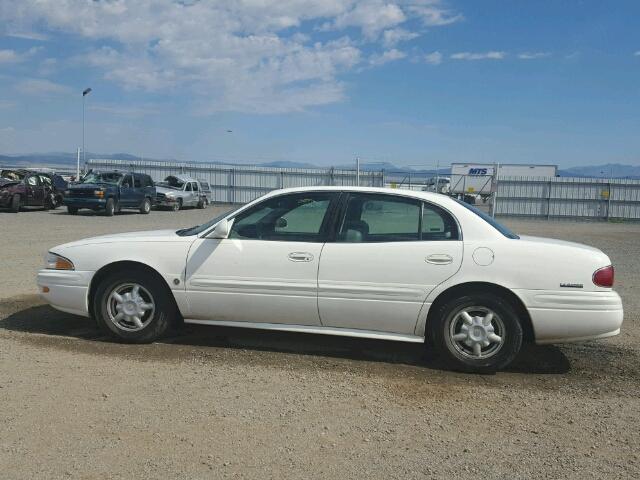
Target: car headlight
point(58, 262)
point(98, 193)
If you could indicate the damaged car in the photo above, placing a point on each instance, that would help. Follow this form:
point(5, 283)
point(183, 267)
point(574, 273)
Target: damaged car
point(21, 188)
point(176, 192)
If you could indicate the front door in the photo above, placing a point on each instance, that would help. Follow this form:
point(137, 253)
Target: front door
point(127, 192)
point(390, 252)
point(35, 191)
point(266, 271)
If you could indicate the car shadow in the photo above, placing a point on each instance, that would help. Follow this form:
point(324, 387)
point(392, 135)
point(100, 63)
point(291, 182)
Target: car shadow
point(44, 320)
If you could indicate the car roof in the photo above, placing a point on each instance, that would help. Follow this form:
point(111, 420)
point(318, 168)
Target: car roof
point(182, 178)
point(428, 196)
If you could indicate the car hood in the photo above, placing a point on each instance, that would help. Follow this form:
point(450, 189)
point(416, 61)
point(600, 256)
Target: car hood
point(129, 237)
point(160, 189)
point(4, 183)
point(87, 186)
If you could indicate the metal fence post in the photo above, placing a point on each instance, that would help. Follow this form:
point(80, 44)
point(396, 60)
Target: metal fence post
point(549, 200)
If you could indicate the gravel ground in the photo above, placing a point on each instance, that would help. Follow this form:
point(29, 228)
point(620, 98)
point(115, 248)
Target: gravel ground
point(224, 403)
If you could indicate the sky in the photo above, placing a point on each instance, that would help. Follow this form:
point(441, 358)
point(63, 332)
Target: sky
point(414, 82)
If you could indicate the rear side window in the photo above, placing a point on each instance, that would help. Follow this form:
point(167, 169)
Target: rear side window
point(146, 181)
point(195, 186)
point(386, 218)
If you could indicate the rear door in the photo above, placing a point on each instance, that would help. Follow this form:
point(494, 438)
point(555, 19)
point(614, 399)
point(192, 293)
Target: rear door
point(390, 251)
point(266, 271)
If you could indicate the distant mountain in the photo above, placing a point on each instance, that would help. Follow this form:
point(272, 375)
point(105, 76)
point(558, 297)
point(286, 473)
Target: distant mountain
point(609, 170)
point(66, 160)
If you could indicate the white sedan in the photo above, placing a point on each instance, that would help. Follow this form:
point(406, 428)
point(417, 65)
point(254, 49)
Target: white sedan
point(362, 262)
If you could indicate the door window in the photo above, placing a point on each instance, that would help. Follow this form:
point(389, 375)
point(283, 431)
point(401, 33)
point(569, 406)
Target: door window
point(137, 183)
point(126, 182)
point(188, 189)
point(388, 218)
point(295, 218)
point(33, 181)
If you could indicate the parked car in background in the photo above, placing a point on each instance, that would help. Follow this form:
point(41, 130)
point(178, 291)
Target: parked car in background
point(205, 191)
point(111, 192)
point(438, 185)
point(364, 262)
point(26, 188)
point(176, 192)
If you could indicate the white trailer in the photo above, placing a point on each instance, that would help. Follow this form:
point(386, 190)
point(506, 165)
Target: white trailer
point(478, 178)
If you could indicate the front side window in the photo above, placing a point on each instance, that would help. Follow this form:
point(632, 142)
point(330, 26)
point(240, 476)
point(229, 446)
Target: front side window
point(136, 181)
point(188, 189)
point(295, 218)
point(386, 218)
point(32, 181)
point(127, 181)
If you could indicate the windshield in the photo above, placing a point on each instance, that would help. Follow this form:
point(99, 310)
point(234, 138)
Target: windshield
point(111, 178)
point(12, 175)
point(185, 232)
point(172, 182)
point(490, 220)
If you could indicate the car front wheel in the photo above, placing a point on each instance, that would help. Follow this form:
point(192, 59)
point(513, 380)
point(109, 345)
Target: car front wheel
point(134, 307)
point(16, 203)
point(477, 332)
point(145, 208)
point(110, 208)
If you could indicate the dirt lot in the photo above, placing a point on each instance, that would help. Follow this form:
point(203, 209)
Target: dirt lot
point(224, 403)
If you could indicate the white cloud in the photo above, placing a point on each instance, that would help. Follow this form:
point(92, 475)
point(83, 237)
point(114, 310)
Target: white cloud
point(394, 36)
point(386, 57)
point(433, 14)
point(433, 58)
point(41, 87)
point(12, 56)
point(9, 56)
point(129, 111)
point(532, 55)
point(28, 36)
point(493, 55)
point(230, 55)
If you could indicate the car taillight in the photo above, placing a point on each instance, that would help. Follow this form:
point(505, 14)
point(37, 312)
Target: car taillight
point(603, 277)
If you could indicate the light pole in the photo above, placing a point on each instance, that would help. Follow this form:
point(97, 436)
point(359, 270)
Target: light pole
point(85, 92)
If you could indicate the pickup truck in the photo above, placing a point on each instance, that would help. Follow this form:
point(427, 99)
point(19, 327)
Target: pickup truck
point(176, 192)
point(111, 192)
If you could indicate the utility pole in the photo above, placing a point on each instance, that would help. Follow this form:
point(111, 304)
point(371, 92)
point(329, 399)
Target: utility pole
point(78, 166)
point(85, 92)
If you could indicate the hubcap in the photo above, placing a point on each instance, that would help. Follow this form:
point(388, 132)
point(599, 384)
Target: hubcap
point(476, 333)
point(130, 307)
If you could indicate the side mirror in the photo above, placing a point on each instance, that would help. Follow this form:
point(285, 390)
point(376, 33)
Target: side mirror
point(221, 230)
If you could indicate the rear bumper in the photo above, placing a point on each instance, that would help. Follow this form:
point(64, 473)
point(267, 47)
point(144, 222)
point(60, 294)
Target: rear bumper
point(559, 316)
point(68, 290)
point(92, 203)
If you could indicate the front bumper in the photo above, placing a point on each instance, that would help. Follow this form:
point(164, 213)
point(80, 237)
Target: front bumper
point(68, 290)
point(566, 316)
point(91, 203)
point(165, 202)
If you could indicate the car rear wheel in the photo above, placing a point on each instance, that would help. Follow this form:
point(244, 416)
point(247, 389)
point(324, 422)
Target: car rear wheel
point(478, 332)
point(201, 203)
point(145, 208)
point(110, 208)
point(134, 307)
point(16, 203)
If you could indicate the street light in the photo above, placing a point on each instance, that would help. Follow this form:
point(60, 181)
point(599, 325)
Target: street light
point(85, 92)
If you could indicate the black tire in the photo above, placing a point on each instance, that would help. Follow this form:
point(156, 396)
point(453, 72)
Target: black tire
point(145, 208)
point(153, 289)
point(110, 207)
point(16, 203)
point(460, 355)
point(72, 210)
point(201, 203)
point(178, 205)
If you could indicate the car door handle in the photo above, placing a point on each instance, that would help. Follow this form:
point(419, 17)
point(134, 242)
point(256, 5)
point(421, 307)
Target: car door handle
point(300, 257)
point(439, 259)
